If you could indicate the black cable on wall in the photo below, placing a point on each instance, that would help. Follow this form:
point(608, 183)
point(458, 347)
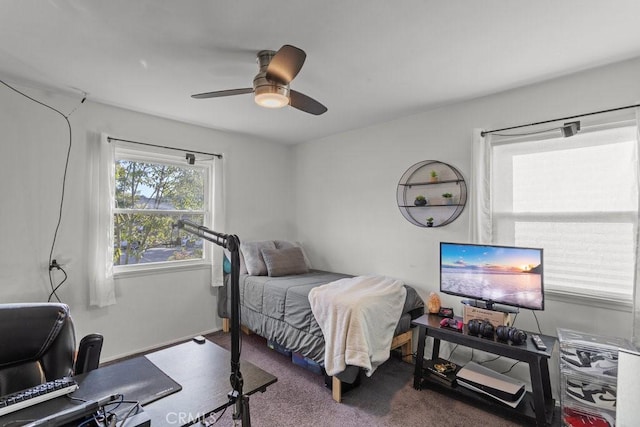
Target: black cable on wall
point(53, 264)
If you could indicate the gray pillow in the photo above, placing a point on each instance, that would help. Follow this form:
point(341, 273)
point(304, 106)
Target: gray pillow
point(253, 257)
point(284, 262)
point(285, 244)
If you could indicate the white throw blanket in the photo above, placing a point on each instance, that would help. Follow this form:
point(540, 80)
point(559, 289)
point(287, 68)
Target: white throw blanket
point(358, 317)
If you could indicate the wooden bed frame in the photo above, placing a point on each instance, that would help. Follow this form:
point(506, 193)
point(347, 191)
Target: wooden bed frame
point(402, 341)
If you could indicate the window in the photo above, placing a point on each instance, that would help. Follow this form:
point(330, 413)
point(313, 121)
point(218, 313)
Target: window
point(577, 198)
point(152, 191)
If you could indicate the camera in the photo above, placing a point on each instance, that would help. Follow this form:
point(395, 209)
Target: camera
point(509, 333)
point(483, 328)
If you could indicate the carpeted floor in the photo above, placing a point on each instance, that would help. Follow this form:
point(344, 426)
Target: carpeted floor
point(300, 398)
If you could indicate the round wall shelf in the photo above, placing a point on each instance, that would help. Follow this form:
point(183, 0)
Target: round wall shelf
point(431, 189)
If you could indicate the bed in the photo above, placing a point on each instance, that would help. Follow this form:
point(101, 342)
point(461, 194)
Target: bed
point(275, 282)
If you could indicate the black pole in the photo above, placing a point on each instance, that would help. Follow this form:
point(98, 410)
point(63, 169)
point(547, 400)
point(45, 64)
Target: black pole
point(231, 243)
point(483, 133)
point(164, 146)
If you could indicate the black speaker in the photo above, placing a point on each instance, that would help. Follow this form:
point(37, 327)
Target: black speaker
point(484, 328)
point(509, 333)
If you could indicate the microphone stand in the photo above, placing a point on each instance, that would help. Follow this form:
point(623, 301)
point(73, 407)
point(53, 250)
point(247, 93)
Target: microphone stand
point(231, 243)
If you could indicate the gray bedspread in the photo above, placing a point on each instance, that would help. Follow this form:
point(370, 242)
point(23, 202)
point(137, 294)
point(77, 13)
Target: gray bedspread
point(278, 309)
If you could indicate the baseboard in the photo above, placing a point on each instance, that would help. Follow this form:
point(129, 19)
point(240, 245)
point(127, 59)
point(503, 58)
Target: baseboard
point(155, 347)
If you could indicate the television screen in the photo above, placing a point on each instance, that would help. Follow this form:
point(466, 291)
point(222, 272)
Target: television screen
point(494, 274)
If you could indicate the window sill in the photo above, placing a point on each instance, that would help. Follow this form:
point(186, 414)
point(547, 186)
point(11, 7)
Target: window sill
point(151, 269)
point(589, 300)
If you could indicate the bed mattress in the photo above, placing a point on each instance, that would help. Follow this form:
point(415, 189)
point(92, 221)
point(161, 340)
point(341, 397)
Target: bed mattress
point(278, 309)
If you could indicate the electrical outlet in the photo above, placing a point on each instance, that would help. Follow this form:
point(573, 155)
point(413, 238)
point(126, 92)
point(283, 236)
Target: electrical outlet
point(59, 263)
point(54, 264)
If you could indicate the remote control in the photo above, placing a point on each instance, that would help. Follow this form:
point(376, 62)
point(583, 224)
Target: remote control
point(537, 341)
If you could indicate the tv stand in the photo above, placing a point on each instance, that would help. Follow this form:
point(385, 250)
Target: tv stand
point(538, 404)
point(489, 305)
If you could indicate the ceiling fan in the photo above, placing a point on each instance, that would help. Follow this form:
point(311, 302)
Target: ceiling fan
point(271, 84)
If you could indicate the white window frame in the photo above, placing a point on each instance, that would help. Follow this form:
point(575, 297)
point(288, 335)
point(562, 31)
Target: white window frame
point(159, 155)
point(559, 293)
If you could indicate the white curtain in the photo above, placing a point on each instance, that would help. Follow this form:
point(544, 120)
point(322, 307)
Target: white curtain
point(636, 300)
point(480, 225)
point(219, 220)
point(101, 283)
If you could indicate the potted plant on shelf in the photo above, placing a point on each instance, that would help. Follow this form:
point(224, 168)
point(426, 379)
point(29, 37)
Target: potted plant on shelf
point(420, 201)
point(430, 221)
point(448, 198)
point(434, 176)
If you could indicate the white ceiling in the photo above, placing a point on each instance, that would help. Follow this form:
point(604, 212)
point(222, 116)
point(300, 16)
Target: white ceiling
point(367, 60)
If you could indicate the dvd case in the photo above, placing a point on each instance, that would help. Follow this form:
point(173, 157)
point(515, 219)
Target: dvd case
point(442, 371)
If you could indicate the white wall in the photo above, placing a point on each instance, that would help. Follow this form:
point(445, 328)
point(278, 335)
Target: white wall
point(151, 310)
point(341, 204)
point(346, 211)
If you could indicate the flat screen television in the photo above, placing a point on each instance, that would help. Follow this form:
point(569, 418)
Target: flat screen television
point(490, 274)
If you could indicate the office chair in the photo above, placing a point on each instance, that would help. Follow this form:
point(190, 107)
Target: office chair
point(88, 357)
point(38, 344)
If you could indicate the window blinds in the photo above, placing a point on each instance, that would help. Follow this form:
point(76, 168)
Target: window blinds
point(578, 199)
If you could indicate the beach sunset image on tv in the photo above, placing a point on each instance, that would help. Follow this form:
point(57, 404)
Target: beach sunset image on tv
point(507, 275)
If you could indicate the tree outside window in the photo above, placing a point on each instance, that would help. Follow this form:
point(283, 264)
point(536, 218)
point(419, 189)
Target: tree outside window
point(149, 197)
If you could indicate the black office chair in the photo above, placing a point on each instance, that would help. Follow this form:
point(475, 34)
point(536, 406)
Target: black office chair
point(88, 357)
point(38, 344)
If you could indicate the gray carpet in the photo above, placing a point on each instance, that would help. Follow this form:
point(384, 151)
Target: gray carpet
point(300, 398)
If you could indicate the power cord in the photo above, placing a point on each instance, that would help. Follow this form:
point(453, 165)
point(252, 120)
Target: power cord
point(112, 419)
point(212, 419)
point(509, 370)
point(537, 323)
point(52, 262)
point(488, 360)
point(455, 347)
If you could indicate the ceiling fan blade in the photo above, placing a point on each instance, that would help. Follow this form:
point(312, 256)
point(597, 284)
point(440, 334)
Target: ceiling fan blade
point(286, 64)
point(304, 103)
point(220, 93)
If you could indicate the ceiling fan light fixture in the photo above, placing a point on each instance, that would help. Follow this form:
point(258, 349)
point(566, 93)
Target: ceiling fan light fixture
point(271, 100)
point(271, 84)
point(272, 96)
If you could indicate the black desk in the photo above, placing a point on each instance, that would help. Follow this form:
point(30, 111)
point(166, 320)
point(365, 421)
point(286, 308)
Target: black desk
point(203, 371)
point(540, 396)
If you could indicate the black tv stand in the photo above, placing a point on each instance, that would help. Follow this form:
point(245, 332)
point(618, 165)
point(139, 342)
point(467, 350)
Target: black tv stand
point(490, 305)
point(538, 404)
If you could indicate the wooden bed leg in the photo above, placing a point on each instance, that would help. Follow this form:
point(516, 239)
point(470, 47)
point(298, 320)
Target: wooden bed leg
point(407, 351)
point(404, 341)
point(336, 389)
point(226, 327)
